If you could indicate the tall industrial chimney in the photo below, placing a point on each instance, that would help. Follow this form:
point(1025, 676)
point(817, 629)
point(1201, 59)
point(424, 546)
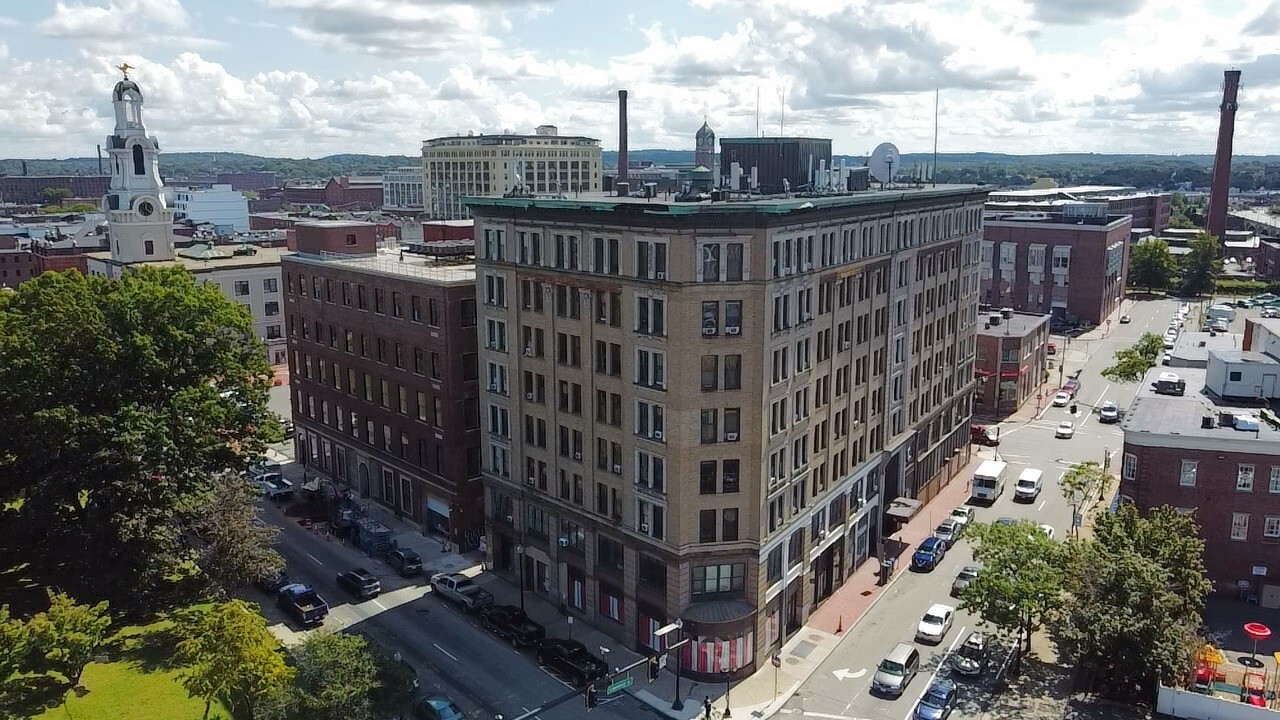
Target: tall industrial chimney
point(622, 137)
point(1216, 217)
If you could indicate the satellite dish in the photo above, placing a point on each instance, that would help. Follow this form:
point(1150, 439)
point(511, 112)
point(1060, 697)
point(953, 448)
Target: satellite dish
point(883, 160)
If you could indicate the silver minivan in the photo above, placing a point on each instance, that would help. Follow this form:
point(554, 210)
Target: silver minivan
point(896, 671)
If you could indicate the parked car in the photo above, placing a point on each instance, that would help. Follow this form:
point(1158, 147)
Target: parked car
point(1028, 487)
point(273, 582)
point(405, 562)
point(1047, 530)
point(303, 604)
point(948, 531)
point(1006, 521)
point(1109, 413)
point(511, 624)
point(896, 671)
point(930, 552)
point(570, 659)
point(963, 515)
point(461, 590)
point(1065, 430)
point(361, 583)
point(938, 701)
point(935, 623)
point(436, 707)
point(971, 657)
point(1125, 320)
point(967, 574)
point(274, 487)
point(287, 426)
point(1061, 399)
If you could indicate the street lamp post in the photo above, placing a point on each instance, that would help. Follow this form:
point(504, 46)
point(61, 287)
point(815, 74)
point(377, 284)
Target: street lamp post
point(520, 559)
point(678, 627)
point(728, 680)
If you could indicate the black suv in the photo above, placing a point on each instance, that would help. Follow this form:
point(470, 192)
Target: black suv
point(511, 624)
point(570, 659)
point(405, 562)
point(361, 583)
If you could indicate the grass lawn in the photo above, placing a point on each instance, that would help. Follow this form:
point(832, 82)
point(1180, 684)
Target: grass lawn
point(138, 683)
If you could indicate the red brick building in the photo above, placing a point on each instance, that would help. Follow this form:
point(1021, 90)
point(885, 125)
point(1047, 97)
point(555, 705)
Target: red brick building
point(1070, 264)
point(1012, 357)
point(1207, 451)
point(340, 193)
point(1150, 210)
point(384, 375)
point(30, 188)
point(17, 262)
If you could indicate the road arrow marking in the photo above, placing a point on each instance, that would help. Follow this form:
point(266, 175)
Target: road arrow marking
point(844, 674)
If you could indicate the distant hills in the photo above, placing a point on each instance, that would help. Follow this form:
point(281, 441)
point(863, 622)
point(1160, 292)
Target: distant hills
point(1167, 171)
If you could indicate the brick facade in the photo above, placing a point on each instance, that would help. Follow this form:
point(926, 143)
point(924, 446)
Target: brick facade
point(1011, 362)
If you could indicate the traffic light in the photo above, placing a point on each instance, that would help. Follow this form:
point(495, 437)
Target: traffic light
point(590, 694)
point(654, 666)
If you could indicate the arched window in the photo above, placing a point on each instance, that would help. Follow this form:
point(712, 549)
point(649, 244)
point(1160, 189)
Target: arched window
point(138, 165)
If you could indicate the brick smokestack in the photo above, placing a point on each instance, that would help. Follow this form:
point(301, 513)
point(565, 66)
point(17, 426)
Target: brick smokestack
point(1216, 217)
point(622, 136)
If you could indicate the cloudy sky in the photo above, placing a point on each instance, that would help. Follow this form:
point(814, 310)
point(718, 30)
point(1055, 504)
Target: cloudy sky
point(305, 78)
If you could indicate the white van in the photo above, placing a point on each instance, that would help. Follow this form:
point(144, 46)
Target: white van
point(988, 481)
point(1029, 485)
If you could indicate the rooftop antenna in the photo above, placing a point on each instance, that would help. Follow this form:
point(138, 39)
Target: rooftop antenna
point(757, 109)
point(883, 158)
point(782, 117)
point(934, 175)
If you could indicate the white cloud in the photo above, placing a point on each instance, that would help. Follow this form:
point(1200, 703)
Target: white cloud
point(119, 24)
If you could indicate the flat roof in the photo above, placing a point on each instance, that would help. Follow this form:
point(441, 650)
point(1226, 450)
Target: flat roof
point(772, 140)
point(265, 256)
point(1155, 414)
point(390, 261)
point(333, 223)
point(1245, 356)
point(766, 205)
point(1020, 324)
point(1069, 190)
point(1194, 347)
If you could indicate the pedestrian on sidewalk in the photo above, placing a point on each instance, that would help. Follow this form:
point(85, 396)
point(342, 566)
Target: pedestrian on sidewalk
point(706, 706)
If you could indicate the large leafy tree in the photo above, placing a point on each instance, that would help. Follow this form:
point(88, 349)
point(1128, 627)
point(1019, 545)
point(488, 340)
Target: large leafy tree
point(1202, 265)
point(1151, 266)
point(336, 676)
point(1132, 363)
point(1020, 586)
point(1136, 594)
point(235, 545)
point(1080, 483)
point(65, 637)
point(120, 402)
point(15, 639)
point(230, 655)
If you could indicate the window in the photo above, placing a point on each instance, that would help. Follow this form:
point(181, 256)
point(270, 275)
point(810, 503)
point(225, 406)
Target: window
point(1271, 527)
point(710, 262)
point(1234, 376)
point(608, 553)
point(732, 424)
point(649, 420)
point(1244, 478)
point(1188, 477)
point(1239, 526)
point(732, 372)
point(242, 288)
point(1130, 468)
point(610, 602)
point(733, 317)
point(1275, 479)
point(706, 527)
point(651, 472)
point(269, 285)
point(651, 315)
point(707, 477)
point(718, 578)
point(651, 519)
point(651, 260)
point(729, 524)
point(710, 317)
point(272, 308)
point(710, 372)
point(651, 369)
point(774, 564)
point(710, 426)
point(495, 290)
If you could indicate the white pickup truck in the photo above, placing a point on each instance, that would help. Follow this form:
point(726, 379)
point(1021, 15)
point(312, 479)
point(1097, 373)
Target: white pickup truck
point(460, 589)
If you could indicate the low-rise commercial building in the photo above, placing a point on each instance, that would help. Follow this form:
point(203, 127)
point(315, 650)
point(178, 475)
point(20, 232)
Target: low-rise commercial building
point(1206, 441)
point(1150, 210)
point(402, 190)
point(221, 206)
point(384, 374)
point(1012, 361)
point(1070, 264)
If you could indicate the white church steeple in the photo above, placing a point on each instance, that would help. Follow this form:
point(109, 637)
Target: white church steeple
point(141, 226)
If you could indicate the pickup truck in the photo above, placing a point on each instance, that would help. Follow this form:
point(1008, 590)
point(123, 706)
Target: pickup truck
point(460, 589)
point(274, 486)
point(303, 604)
point(571, 660)
point(511, 624)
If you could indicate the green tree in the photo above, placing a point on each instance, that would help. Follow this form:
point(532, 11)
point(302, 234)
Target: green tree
point(1135, 601)
point(120, 402)
point(1181, 222)
point(1080, 484)
point(1202, 265)
point(236, 546)
point(230, 655)
point(55, 195)
point(336, 676)
point(1151, 266)
point(15, 642)
point(65, 637)
point(1133, 362)
point(1020, 586)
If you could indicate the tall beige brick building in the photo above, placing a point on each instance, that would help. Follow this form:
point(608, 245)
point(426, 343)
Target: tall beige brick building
point(705, 410)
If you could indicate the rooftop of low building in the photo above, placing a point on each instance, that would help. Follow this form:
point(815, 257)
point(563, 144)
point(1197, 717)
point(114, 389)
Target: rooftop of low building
point(1184, 415)
point(402, 261)
point(1018, 323)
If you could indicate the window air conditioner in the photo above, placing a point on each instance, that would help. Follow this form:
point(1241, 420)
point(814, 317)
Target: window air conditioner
point(732, 330)
point(528, 352)
point(657, 434)
point(510, 519)
point(577, 456)
point(564, 542)
point(708, 331)
point(531, 480)
point(528, 396)
point(644, 527)
point(662, 276)
point(731, 437)
point(493, 387)
point(617, 468)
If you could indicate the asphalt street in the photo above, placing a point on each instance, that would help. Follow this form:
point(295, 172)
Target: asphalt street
point(453, 655)
point(840, 688)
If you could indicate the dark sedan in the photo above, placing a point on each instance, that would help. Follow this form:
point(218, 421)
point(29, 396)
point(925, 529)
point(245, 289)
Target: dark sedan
point(929, 554)
point(571, 660)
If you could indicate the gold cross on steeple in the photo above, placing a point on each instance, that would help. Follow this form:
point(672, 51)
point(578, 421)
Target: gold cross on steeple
point(125, 68)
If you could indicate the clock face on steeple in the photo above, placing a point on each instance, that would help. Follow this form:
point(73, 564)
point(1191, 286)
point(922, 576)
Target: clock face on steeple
point(145, 208)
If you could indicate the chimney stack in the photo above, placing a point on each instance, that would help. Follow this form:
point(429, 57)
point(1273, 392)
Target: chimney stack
point(1216, 217)
point(622, 136)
